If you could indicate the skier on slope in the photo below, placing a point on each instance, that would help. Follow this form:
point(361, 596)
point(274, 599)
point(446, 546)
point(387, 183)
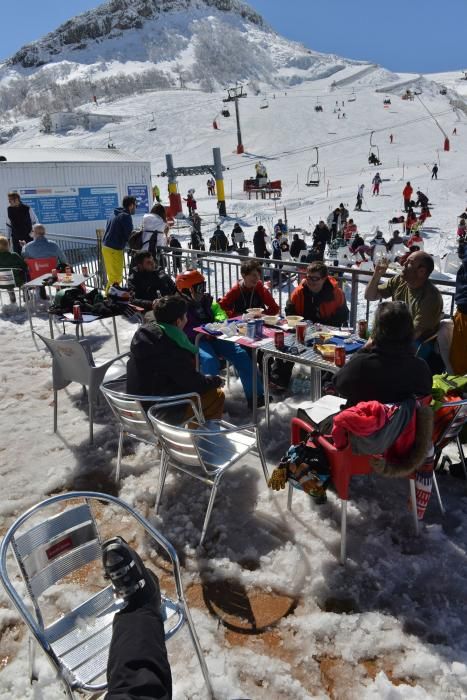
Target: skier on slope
point(376, 182)
point(407, 195)
point(358, 206)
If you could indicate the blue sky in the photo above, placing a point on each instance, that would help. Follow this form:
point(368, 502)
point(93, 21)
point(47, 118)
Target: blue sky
point(404, 35)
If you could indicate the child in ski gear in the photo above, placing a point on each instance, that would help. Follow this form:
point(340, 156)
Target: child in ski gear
point(376, 182)
point(250, 293)
point(202, 309)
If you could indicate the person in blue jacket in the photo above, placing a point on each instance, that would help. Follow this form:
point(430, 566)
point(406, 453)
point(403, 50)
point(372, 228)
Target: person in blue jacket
point(117, 233)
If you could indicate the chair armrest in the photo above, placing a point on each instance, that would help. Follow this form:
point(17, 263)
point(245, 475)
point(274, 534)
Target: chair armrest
point(114, 359)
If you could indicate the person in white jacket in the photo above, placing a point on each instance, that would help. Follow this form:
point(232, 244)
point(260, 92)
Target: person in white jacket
point(155, 229)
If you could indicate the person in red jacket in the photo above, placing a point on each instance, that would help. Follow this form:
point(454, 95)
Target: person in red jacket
point(250, 293)
point(407, 195)
point(318, 299)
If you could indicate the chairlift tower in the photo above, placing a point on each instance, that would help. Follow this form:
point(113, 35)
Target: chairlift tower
point(233, 95)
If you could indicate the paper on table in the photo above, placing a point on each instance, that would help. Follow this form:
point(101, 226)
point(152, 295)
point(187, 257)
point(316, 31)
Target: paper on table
point(87, 318)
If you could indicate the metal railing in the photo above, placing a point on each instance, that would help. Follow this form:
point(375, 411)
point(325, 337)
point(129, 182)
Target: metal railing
point(222, 270)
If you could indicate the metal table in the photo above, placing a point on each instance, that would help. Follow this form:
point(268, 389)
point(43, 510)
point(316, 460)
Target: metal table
point(308, 357)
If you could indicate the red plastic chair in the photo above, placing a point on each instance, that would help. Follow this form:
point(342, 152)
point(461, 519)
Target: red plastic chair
point(343, 466)
point(40, 266)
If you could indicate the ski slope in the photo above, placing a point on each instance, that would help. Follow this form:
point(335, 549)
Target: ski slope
point(392, 625)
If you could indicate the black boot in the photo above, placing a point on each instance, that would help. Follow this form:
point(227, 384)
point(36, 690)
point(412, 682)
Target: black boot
point(131, 580)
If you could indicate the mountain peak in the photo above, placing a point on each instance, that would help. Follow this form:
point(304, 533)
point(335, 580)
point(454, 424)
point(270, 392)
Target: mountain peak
point(114, 17)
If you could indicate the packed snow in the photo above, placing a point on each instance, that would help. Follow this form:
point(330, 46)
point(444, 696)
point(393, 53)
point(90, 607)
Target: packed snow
point(392, 623)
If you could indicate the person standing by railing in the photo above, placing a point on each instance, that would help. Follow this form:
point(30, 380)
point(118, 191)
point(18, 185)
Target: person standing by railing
point(116, 236)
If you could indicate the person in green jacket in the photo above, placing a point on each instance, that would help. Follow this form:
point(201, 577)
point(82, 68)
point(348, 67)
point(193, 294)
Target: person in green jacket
point(202, 309)
point(12, 261)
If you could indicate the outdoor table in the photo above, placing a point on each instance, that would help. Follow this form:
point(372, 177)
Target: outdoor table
point(307, 356)
point(37, 282)
point(86, 318)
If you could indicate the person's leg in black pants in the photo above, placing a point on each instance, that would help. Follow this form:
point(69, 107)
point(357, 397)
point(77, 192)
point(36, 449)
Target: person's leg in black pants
point(137, 668)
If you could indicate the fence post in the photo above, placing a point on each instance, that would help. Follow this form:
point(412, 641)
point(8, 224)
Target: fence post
point(353, 302)
point(101, 271)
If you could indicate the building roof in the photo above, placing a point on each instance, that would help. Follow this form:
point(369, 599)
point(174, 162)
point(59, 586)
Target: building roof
point(39, 154)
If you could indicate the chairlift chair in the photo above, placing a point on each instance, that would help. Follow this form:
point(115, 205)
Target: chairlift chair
point(225, 113)
point(264, 104)
point(152, 124)
point(313, 176)
point(374, 150)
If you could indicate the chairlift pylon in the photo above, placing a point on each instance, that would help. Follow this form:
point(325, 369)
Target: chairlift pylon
point(313, 175)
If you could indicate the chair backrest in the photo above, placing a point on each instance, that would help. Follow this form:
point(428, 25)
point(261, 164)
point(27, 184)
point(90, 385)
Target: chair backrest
point(179, 443)
point(55, 548)
point(129, 412)
point(72, 361)
point(451, 263)
point(379, 251)
point(7, 277)
point(457, 422)
point(38, 266)
point(398, 249)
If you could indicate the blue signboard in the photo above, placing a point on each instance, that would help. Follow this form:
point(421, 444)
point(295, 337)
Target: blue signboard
point(62, 205)
point(142, 198)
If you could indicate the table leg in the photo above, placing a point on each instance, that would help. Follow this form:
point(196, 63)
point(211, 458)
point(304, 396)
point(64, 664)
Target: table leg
point(116, 334)
point(51, 326)
point(266, 387)
point(28, 309)
point(198, 339)
point(77, 325)
point(254, 369)
point(315, 378)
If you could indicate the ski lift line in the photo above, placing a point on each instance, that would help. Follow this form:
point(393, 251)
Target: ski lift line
point(432, 116)
point(341, 140)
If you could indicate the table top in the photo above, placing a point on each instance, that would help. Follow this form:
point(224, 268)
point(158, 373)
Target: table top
point(308, 356)
point(76, 281)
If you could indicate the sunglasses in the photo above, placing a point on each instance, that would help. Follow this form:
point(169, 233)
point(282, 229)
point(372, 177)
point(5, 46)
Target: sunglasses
point(200, 287)
point(314, 279)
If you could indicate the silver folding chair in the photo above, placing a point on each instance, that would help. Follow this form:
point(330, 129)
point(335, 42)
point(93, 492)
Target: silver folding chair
point(8, 282)
point(205, 453)
point(72, 361)
point(52, 546)
point(131, 416)
point(452, 432)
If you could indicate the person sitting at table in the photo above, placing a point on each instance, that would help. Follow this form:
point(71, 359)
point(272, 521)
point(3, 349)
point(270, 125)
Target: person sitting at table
point(413, 287)
point(148, 282)
point(318, 299)
point(250, 293)
point(386, 368)
point(191, 285)
point(162, 360)
point(12, 261)
point(40, 247)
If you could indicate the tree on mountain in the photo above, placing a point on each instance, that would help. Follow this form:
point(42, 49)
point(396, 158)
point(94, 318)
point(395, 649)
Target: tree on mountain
point(46, 123)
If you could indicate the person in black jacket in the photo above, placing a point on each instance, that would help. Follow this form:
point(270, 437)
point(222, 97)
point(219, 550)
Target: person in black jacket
point(321, 235)
point(386, 369)
point(162, 360)
point(147, 282)
point(20, 222)
point(297, 246)
point(259, 243)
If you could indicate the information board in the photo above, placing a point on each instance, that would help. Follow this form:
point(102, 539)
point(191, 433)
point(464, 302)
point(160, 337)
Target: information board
point(142, 198)
point(61, 205)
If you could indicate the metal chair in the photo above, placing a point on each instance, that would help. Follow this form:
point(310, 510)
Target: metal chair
point(8, 281)
point(344, 464)
point(205, 453)
point(46, 551)
point(452, 430)
point(131, 416)
point(72, 361)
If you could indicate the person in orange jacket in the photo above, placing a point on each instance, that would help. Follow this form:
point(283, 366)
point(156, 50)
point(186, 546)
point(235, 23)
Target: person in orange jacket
point(407, 195)
point(318, 299)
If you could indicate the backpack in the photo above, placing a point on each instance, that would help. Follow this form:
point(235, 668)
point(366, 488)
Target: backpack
point(135, 242)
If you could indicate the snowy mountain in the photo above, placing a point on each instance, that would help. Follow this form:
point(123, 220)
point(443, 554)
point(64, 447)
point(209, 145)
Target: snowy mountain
point(125, 46)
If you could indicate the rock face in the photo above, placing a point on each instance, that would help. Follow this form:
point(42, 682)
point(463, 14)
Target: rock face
point(114, 17)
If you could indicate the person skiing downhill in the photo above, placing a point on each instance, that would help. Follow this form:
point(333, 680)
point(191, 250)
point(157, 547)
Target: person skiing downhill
point(434, 172)
point(376, 182)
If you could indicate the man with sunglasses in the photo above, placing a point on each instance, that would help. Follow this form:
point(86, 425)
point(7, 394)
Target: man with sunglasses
point(318, 299)
point(203, 309)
